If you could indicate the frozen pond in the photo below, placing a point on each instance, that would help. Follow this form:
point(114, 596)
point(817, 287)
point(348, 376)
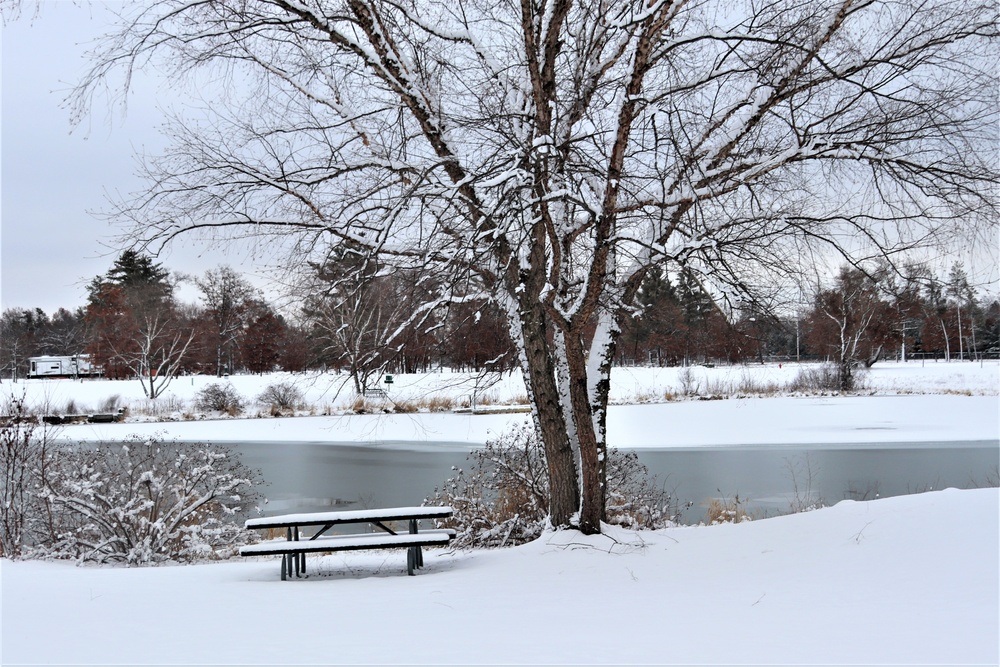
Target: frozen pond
point(318, 476)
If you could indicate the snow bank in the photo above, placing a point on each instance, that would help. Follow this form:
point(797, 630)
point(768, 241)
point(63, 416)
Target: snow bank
point(912, 579)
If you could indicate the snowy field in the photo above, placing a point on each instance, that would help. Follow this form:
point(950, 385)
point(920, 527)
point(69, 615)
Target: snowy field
point(331, 393)
point(903, 580)
point(907, 580)
point(910, 402)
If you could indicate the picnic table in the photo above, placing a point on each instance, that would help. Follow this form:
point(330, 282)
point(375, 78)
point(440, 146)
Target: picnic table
point(293, 548)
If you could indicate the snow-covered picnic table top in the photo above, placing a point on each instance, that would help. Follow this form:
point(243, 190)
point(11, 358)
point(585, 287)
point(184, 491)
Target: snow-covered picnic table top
point(350, 516)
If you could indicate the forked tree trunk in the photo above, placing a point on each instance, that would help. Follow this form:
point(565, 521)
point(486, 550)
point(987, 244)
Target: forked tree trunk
point(569, 395)
point(591, 447)
point(528, 324)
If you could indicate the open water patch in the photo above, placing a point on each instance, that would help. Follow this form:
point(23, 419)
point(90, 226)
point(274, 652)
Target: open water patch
point(769, 479)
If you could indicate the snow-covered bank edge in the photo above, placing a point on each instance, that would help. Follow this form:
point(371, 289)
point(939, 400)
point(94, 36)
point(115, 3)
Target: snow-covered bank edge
point(446, 391)
point(911, 579)
point(777, 421)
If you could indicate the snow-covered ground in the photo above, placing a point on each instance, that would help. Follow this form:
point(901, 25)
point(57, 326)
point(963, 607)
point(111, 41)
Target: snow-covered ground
point(910, 579)
point(913, 402)
point(736, 421)
point(332, 393)
point(902, 580)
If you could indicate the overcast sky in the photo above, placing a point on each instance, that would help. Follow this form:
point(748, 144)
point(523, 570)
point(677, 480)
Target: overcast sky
point(52, 179)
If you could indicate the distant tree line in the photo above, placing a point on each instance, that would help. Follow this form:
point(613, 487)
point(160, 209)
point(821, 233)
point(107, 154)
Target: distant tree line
point(134, 326)
point(351, 319)
point(856, 319)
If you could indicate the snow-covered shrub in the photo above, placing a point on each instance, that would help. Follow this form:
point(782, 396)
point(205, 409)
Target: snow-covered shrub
point(220, 398)
point(503, 499)
point(634, 499)
point(23, 442)
point(281, 396)
point(146, 501)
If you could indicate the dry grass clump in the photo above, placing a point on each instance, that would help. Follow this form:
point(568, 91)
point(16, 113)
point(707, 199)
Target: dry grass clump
point(750, 385)
point(439, 403)
point(820, 378)
point(160, 407)
point(727, 510)
point(361, 405)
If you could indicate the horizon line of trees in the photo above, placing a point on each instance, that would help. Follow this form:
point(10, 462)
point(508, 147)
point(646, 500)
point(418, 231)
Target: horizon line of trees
point(352, 319)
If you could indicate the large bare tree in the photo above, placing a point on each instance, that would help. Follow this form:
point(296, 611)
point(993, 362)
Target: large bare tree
point(227, 296)
point(549, 153)
point(356, 315)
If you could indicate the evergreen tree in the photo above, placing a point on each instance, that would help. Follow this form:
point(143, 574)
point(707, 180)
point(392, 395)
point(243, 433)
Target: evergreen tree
point(133, 269)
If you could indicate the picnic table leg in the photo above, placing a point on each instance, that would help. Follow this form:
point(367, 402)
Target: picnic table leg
point(418, 552)
point(293, 559)
point(300, 559)
point(284, 565)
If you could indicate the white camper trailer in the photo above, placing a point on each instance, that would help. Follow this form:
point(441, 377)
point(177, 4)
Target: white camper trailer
point(77, 365)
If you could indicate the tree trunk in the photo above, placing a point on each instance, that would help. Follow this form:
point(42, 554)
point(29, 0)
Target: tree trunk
point(593, 389)
point(528, 322)
point(961, 343)
point(947, 343)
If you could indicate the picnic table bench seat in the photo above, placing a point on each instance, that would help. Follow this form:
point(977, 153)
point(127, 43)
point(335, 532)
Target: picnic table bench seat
point(293, 548)
point(347, 543)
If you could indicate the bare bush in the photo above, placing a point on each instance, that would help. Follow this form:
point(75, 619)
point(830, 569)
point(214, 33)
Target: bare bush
point(804, 475)
point(111, 403)
point(220, 398)
point(281, 396)
point(503, 499)
point(822, 378)
point(689, 384)
point(22, 447)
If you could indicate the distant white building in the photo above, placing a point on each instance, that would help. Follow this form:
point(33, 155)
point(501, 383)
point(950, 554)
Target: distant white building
point(77, 365)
